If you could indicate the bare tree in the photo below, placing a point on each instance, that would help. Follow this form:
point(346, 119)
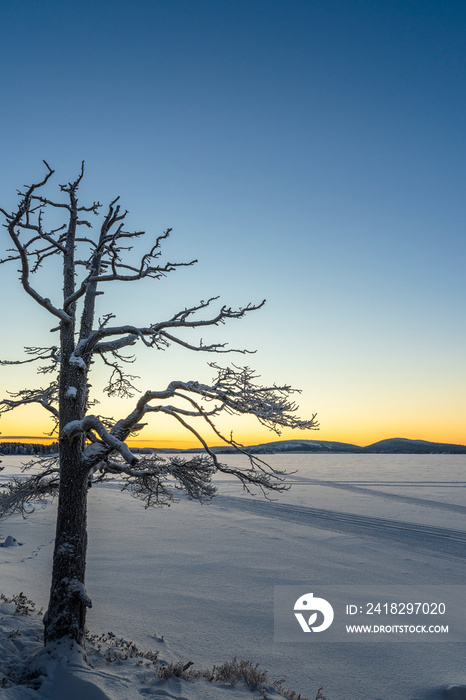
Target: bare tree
point(93, 448)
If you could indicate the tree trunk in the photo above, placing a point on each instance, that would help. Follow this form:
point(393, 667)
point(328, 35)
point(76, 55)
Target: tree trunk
point(68, 600)
point(66, 613)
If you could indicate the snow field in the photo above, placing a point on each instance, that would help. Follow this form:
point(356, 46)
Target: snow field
point(203, 576)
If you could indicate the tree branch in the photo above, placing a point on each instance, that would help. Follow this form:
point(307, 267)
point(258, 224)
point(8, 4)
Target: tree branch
point(38, 355)
point(44, 397)
point(14, 221)
point(17, 495)
point(156, 335)
point(155, 479)
point(88, 423)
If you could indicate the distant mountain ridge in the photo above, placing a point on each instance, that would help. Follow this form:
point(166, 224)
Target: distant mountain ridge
point(390, 446)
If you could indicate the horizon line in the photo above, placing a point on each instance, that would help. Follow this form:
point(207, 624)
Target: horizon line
point(180, 444)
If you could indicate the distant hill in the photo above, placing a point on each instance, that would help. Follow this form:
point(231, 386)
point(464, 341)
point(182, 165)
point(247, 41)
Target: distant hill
point(295, 446)
point(404, 446)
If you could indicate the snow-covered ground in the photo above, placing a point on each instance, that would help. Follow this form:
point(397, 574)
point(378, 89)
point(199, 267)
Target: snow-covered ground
point(202, 578)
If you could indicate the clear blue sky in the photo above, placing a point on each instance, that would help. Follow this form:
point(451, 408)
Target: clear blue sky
point(312, 153)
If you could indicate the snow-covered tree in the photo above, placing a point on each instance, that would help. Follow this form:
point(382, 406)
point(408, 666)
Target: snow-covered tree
point(93, 448)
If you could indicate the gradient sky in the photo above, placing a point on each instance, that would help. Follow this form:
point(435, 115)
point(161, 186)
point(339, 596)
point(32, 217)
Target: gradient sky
point(312, 153)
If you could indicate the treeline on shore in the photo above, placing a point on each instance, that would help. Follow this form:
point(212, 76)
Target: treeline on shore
point(27, 448)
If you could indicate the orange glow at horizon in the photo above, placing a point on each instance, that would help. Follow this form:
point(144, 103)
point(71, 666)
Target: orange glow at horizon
point(339, 423)
point(362, 439)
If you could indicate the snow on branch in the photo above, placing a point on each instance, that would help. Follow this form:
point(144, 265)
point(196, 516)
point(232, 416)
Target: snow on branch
point(117, 344)
point(92, 423)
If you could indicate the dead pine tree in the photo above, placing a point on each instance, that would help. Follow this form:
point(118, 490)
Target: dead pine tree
point(84, 258)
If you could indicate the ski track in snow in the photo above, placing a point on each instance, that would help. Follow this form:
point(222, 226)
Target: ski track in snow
point(356, 488)
point(447, 542)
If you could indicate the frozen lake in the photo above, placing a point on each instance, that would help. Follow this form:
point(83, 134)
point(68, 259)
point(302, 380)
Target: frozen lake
point(203, 576)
